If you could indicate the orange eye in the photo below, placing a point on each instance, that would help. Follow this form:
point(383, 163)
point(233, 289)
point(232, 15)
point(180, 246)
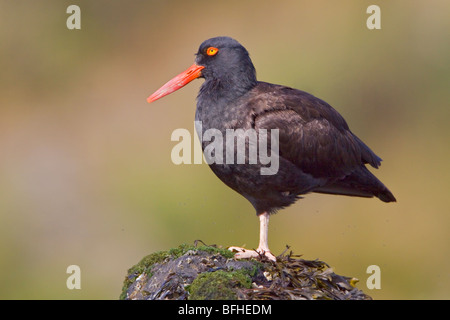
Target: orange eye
point(211, 51)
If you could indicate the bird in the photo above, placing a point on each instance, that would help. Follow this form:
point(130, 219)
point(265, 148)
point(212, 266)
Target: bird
point(317, 152)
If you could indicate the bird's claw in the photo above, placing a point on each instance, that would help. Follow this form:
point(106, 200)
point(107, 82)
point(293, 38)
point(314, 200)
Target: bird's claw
point(242, 253)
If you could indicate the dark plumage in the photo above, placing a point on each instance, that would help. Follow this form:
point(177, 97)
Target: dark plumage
point(317, 150)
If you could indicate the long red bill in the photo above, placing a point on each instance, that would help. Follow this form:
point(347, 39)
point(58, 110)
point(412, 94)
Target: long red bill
point(176, 83)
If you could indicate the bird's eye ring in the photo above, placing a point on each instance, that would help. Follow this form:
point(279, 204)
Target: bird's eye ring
point(211, 51)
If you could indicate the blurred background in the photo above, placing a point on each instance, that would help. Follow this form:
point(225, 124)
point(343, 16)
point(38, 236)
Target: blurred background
point(86, 176)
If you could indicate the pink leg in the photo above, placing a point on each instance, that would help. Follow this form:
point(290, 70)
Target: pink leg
point(263, 247)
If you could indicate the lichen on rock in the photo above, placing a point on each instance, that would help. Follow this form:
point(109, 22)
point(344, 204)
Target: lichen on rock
point(192, 272)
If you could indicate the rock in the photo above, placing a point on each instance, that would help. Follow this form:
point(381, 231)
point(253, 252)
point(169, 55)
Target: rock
point(192, 272)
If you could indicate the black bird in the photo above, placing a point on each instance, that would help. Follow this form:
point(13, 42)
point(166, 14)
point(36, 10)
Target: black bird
point(317, 151)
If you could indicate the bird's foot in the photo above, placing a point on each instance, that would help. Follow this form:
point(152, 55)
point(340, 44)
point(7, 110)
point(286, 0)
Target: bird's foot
point(242, 253)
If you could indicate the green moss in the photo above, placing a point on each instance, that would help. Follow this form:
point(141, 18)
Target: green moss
point(218, 285)
point(223, 252)
point(146, 263)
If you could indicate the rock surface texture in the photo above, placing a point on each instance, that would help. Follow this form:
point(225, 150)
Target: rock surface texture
point(211, 273)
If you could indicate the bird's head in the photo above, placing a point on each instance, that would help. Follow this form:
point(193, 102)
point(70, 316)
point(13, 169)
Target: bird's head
point(219, 59)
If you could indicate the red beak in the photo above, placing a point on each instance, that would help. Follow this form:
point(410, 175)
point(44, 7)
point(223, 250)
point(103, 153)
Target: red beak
point(177, 83)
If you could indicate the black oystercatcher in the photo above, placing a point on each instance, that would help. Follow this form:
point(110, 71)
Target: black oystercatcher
point(317, 150)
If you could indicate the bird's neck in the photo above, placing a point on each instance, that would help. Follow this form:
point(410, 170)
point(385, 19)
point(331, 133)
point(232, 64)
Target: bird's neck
point(227, 88)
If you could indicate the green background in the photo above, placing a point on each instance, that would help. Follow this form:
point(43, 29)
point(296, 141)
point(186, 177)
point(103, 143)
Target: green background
point(85, 171)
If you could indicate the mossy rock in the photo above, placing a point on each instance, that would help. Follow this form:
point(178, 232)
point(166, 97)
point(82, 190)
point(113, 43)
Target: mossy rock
point(192, 272)
point(218, 285)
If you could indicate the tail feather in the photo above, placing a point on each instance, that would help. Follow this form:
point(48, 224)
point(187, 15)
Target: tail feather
point(360, 183)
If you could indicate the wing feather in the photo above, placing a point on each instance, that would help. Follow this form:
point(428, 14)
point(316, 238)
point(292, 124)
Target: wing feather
point(312, 135)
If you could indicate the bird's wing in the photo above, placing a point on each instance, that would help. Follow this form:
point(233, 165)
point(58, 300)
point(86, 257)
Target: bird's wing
point(312, 135)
